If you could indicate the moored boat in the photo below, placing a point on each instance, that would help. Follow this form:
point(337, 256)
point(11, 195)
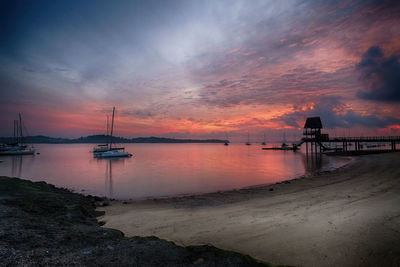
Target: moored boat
point(248, 140)
point(226, 143)
point(113, 154)
point(108, 151)
point(18, 147)
point(284, 146)
point(264, 142)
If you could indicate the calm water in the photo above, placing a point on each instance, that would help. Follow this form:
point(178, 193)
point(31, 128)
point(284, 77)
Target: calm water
point(159, 170)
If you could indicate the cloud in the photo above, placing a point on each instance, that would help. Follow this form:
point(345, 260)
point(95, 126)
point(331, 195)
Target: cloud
point(263, 88)
point(381, 76)
point(334, 113)
point(138, 113)
point(159, 62)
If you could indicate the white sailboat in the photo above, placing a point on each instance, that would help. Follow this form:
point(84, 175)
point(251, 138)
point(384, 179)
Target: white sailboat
point(102, 147)
point(18, 147)
point(112, 152)
point(105, 147)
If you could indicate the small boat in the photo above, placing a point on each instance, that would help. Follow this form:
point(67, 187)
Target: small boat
point(284, 146)
point(264, 143)
point(114, 154)
point(18, 147)
point(227, 140)
point(108, 151)
point(105, 147)
point(100, 148)
point(248, 140)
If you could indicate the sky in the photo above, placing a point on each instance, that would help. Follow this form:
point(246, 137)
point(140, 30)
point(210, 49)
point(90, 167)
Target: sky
point(200, 69)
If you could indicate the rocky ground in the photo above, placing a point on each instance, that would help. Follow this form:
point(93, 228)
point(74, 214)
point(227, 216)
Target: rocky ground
point(41, 225)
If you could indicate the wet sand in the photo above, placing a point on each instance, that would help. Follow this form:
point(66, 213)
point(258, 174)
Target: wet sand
point(347, 217)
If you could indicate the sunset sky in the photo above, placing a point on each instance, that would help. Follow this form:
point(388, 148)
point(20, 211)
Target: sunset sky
point(198, 69)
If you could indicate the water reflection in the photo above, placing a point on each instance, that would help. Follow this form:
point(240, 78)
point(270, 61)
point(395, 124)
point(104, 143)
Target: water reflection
point(109, 182)
point(159, 170)
point(313, 162)
point(16, 166)
point(108, 191)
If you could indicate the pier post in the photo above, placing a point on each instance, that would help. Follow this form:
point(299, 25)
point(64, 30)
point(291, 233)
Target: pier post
point(306, 146)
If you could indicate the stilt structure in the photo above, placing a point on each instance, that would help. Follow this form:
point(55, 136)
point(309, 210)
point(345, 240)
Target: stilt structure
point(312, 134)
point(317, 141)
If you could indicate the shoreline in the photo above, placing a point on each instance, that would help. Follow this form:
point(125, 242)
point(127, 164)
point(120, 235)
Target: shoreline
point(349, 160)
point(260, 188)
point(42, 225)
point(346, 217)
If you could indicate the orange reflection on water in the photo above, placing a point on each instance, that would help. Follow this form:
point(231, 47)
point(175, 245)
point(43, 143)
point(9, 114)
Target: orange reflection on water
point(159, 170)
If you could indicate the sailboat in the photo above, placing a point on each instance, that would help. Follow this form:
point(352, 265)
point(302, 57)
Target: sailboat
point(264, 142)
point(283, 146)
point(112, 152)
point(248, 140)
point(227, 140)
point(102, 147)
point(18, 147)
point(105, 147)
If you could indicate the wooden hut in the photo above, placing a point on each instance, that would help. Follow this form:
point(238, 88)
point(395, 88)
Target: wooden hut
point(312, 132)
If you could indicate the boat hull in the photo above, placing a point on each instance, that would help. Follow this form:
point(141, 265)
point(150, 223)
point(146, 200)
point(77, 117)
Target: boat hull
point(105, 149)
point(113, 154)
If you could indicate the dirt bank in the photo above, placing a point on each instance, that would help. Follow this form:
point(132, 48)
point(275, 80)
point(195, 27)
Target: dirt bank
point(41, 225)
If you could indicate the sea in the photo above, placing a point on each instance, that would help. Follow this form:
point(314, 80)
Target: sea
point(164, 170)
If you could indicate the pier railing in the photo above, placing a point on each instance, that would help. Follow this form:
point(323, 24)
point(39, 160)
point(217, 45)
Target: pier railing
point(347, 141)
point(356, 139)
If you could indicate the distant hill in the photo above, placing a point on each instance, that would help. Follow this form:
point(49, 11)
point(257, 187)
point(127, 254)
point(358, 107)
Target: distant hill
point(98, 139)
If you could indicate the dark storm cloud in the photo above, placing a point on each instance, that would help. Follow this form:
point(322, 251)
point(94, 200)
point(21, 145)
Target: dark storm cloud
point(381, 76)
point(334, 113)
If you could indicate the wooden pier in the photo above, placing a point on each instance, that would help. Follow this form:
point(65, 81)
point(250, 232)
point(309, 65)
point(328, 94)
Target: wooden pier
point(316, 141)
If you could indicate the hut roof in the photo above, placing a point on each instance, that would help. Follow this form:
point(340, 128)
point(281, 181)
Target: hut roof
point(313, 123)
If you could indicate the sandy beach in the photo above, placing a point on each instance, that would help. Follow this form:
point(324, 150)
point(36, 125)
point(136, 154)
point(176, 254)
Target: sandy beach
point(347, 217)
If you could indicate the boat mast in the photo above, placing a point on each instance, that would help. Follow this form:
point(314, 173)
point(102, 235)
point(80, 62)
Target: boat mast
point(16, 131)
point(112, 127)
point(20, 127)
point(107, 126)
